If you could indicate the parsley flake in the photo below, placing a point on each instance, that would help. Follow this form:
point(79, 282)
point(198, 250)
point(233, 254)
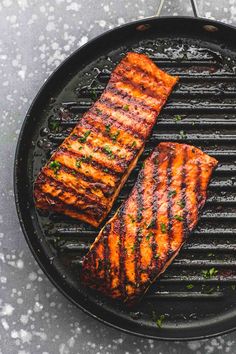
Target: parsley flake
point(172, 193)
point(78, 163)
point(163, 228)
point(189, 286)
point(55, 166)
point(98, 110)
point(131, 218)
point(177, 118)
point(183, 134)
point(83, 159)
point(209, 273)
point(159, 321)
point(151, 224)
point(181, 203)
point(54, 126)
point(149, 235)
point(94, 94)
point(108, 151)
point(83, 138)
point(178, 217)
point(115, 135)
point(126, 107)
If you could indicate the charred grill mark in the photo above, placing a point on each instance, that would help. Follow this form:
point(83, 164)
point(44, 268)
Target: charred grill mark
point(132, 115)
point(169, 199)
point(198, 189)
point(138, 236)
point(60, 206)
point(146, 74)
point(143, 90)
point(121, 161)
point(102, 134)
point(183, 193)
point(155, 207)
point(122, 251)
point(128, 99)
point(90, 161)
point(64, 188)
point(101, 131)
point(107, 118)
point(106, 189)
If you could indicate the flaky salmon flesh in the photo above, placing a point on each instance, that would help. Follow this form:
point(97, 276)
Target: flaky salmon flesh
point(148, 230)
point(85, 174)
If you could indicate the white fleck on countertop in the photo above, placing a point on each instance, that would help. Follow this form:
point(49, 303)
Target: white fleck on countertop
point(36, 36)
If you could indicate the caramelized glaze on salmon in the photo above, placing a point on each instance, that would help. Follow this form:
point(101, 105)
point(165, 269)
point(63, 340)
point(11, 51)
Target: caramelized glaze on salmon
point(150, 227)
point(85, 174)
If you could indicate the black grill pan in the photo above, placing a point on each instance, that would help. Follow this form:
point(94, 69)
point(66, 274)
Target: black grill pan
point(203, 54)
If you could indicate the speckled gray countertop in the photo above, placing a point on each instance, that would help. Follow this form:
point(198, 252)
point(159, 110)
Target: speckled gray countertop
point(36, 36)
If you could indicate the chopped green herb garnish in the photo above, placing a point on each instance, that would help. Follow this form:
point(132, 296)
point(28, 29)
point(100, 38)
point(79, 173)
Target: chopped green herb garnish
point(115, 135)
point(83, 138)
point(108, 128)
point(73, 173)
point(54, 126)
point(81, 147)
point(108, 151)
point(131, 218)
point(209, 273)
point(98, 110)
point(189, 286)
point(133, 247)
point(94, 94)
point(177, 118)
point(83, 159)
point(178, 217)
point(159, 321)
point(55, 166)
point(78, 163)
point(210, 254)
point(163, 228)
point(126, 107)
point(149, 235)
point(86, 158)
point(181, 203)
point(172, 193)
point(156, 256)
point(134, 144)
point(182, 134)
point(151, 224)
point(105, 170)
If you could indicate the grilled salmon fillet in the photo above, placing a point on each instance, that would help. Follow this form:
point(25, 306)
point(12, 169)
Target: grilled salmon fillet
point(85, 174)
point(139, 242)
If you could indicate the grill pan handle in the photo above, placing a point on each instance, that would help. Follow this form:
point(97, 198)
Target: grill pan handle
point(193, 3)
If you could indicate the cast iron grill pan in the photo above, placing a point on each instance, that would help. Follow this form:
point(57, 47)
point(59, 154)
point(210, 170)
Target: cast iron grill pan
point(201, 111)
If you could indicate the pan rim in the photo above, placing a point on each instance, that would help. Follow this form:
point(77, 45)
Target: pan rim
point(17, 195)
